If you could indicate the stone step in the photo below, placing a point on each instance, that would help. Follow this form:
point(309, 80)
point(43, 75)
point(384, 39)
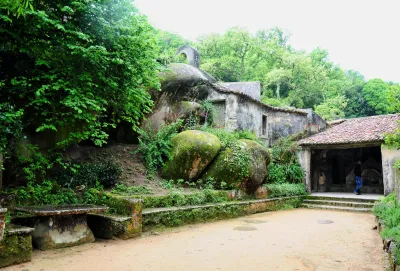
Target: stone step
point(340, 203)
point(336, 208)
point(354, 198)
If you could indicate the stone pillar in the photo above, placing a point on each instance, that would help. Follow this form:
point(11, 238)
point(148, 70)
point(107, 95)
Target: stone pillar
point(304, 156)
point(390, 174)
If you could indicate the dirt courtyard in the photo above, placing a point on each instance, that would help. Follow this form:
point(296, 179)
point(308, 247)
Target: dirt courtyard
point(284, 240)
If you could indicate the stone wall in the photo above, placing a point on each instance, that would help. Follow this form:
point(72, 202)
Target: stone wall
point(242, 113)
point(391, 176)
point(283, 124)
point(304, 156)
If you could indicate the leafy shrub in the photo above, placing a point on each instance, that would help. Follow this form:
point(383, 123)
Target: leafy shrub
point(131, 190)
point(228, 138)
point(45, 193)
point(278, 173)
point(285, 190)
point(155, 147)
point(284, 167)
point(389, 213)
point(106, 174)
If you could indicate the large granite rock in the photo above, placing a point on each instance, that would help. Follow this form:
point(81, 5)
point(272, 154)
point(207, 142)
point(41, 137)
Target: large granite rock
point(192, 151)
point(243, 166)
point(182, 88)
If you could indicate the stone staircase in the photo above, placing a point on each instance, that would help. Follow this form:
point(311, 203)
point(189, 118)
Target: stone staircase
point(339, 204)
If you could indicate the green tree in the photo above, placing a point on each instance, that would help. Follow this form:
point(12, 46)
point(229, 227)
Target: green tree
point(78, 67)
point(168, 44)
point(394, 98)
point(16, 7)
point(376, 95)
point(278, 77)
point(332, 109)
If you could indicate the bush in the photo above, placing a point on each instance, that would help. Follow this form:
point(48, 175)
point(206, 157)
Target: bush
point(45, 193)
point(285, 190)
point(122, 189)
point(106, 174)
point(285, 167)
point(227, 138)
point(389, 213)
point(155, 147)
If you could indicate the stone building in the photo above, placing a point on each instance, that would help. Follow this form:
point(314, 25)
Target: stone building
point(238, 104)
point(329, 157)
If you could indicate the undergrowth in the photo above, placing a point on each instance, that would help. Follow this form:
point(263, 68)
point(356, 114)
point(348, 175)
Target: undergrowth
point(285, 190)
point(389, 212)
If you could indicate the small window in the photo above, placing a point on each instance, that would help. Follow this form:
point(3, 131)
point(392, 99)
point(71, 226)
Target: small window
point(264, 125)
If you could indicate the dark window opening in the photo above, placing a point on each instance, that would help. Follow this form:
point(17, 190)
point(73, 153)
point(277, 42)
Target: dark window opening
point(264, 125)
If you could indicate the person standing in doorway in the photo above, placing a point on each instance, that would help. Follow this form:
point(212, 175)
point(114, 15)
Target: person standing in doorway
point(357, 173)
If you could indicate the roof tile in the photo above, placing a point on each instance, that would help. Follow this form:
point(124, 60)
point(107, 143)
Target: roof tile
point(358, 130)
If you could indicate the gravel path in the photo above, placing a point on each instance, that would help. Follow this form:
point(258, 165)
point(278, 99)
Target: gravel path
point(284, 240)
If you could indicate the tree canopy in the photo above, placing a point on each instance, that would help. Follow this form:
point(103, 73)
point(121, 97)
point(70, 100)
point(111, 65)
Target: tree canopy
point(290, 77)
point(77, 67)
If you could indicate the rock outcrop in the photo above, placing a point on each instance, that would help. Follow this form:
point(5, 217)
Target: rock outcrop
point(191, 153)
point(243, 166)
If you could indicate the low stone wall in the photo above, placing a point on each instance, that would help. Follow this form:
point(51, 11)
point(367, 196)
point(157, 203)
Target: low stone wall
point(176, 216)
point(389, 246)
point(16, 246)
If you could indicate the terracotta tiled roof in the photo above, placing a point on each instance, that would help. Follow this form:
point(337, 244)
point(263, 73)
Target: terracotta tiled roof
point(358, 130)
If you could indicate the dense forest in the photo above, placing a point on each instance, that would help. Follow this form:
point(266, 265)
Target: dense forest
point(289, 77)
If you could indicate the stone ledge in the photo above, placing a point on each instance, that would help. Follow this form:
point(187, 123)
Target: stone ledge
point(177, 216)
point(115, 226)
point(16, 246)
point(246, 202)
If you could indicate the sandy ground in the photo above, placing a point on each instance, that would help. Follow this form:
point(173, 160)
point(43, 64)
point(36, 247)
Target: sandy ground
point(285, 240)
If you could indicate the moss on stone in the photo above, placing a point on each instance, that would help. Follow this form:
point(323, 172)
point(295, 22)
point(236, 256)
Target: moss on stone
point(192, 151)
point(244, 165)
point(15, 249)
point(174, 217)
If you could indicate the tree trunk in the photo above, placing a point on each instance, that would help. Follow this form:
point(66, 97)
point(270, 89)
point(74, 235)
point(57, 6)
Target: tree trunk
point(278, 89)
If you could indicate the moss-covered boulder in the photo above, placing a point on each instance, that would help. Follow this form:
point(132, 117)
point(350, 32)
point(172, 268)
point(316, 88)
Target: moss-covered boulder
point(243, 165)
point(192, 151)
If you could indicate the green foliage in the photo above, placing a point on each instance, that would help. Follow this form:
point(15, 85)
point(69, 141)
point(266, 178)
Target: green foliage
point(10, 124)
point(388, 211)
point(16, 7)
point(168, 44)
point(376, 94)
point(45, 193)
point(285, 190)
point(177, 198)
point(155, 147)
point(394, 98)
point(124, 190)
point(284, 166)
point(333, 108)
point(229, 139)
point(289, 77)
point(90, 175)
point(76, 69)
